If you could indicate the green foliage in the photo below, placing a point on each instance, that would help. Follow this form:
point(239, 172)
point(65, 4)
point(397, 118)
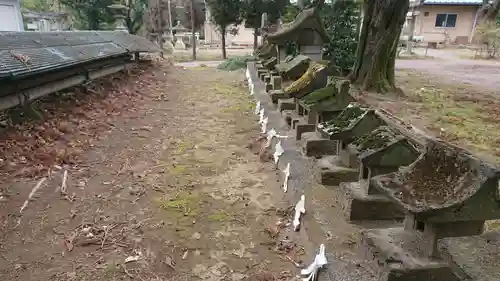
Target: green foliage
point(341, 20)
point(225, 13)
point(36, 5)
point(236, 63)
point(91, 14)
point(252, 10)
point(135, 15)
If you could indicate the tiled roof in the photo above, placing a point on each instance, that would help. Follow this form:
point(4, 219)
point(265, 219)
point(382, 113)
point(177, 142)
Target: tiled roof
point(453, 2)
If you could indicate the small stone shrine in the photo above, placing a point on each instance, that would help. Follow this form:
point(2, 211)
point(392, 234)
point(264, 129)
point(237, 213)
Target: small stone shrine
point(306, 30)
point(446, 192)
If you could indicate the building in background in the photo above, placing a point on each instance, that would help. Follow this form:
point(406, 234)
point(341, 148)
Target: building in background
point(46, 21)
point(10, 16)
point(244, 36)
point(446, 21)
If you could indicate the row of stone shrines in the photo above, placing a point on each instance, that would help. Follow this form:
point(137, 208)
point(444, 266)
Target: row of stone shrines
point(440, 194)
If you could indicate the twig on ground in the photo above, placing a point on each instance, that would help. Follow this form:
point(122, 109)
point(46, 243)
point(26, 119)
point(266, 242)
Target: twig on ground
point(32, 193)
point(107, 229)
point(126, 271)
point(63, 184)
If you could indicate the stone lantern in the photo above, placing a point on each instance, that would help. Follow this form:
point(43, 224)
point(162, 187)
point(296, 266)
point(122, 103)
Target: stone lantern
point(119, 12)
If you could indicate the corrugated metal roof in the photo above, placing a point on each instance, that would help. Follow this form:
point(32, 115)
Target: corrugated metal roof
point(453, 2)
point(46, 50)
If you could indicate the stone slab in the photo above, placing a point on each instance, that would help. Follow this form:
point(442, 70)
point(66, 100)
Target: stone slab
point(286, 104)
point(332, 172)
point(302, 127)
point(474, 257)
point(357, 204)
point(276, 95)
point(395, 257)
point(313, 146)
point(288, 116)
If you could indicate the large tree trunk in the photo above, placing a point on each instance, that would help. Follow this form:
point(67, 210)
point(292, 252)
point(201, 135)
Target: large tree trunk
point(378, 43)
point(488, 12)
point(223, 41)
point(255, 38)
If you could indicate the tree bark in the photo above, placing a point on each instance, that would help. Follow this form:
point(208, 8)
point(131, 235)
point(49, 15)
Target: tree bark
point(376, 54)
point(488, 12)
point(255, 38)
point(223, 41)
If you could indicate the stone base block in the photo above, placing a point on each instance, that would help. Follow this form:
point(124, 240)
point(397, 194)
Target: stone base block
point(313, 146)
point(395, 257)
point(357, 204)
point(288, 116)
point(332, 173)
point(276, 95)
point(269, 87)
point(286, 104)
point(301, 128)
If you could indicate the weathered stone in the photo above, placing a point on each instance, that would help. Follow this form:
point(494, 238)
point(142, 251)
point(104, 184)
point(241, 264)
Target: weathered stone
point(357, 204)
point(267, 79)
point(313, 146)
point(286, 104)
point(301, 128)
point(276, 82)
point(393, 263)
point(332, 173)
point(277, 95)
point(293, 69)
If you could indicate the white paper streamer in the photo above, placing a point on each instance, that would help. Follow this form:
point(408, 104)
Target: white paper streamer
point(312, 270)
point(278, 151)
point(300, 209)
point(287, 176)
point(272, 134)
point(257, 107)
point(264, 125)
point(261, 115)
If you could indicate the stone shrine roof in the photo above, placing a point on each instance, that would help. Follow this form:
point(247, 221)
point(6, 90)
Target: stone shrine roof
point(307, 19)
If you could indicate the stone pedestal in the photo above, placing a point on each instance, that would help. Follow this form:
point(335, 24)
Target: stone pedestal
point(314, 146)
point(285, 104)
point(333, 173)
point(396, 256)
point(277, 95)
point(357, 204)
point(276, 82)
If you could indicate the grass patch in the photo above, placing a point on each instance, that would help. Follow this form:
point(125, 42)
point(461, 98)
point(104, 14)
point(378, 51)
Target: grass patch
point(219, 216)
point(235, 63)
point(459, 112)
point(184, 203)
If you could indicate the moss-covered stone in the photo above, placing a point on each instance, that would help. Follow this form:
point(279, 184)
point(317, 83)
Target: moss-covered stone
point(376, 139)
point(319, 95)
point(307, 80)
point(293, 69)
point(348, 118)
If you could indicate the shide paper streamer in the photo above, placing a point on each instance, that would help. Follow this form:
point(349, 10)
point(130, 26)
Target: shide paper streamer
point(312, 270)
point(300, 209)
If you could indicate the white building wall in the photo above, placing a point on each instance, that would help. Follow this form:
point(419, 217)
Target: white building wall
point(10, 16)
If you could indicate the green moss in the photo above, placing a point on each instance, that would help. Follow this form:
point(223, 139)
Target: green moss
point(233, 64)
point(219, 216)
point(376, 139)
point(319, 95)
point(349, 116)
point(185, 203)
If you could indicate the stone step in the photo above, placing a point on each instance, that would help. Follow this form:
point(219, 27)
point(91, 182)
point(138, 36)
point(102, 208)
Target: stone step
point(277, 95)
point(288, 116)
point(393, 254)
point(286, 104)
point(357, 204)
point(333, 173)
point(313, 146)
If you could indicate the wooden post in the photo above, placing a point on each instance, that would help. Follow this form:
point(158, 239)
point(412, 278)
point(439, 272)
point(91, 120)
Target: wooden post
point(193, 37)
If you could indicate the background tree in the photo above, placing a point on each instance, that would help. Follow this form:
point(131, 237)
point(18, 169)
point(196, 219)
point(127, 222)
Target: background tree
point(374, 68)
point(135, 15)
point(341, 19)
point(489, 11)
point(225, 13)
point(252, 10)
point(91, 14)
point(36, 5)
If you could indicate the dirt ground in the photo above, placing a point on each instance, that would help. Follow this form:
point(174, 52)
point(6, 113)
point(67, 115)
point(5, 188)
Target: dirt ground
point(166, 189)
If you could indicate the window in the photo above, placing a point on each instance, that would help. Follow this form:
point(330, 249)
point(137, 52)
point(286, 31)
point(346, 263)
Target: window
point(446, 20)
point(426, 14)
